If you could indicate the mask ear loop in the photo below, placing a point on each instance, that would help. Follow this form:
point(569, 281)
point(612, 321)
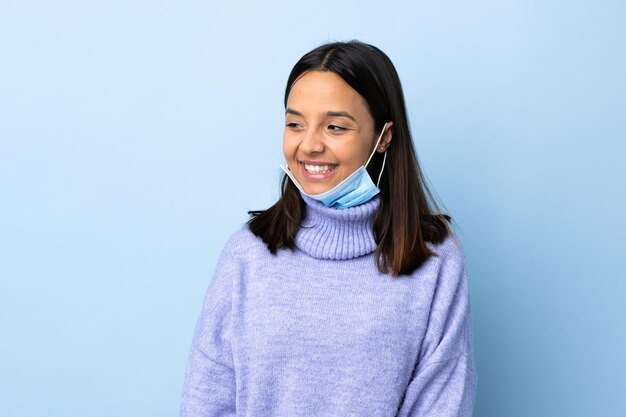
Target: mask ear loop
point(384, 157)
point(381, 170)
point(376, 145)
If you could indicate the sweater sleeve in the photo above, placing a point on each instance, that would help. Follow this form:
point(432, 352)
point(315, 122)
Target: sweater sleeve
point(444, 380)
point(209, 383)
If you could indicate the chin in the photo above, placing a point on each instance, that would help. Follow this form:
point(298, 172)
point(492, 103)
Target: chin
point(313, 189)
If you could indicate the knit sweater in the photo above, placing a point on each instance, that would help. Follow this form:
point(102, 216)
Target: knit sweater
point(320, 331)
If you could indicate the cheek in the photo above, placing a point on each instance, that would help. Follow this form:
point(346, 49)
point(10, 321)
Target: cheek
point(290, 146)
point(286, 150)
point(349, 155)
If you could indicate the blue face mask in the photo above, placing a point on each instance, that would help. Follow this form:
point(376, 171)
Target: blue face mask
point(356, 189)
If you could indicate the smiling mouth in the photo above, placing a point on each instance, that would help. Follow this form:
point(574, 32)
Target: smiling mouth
point(319, 169)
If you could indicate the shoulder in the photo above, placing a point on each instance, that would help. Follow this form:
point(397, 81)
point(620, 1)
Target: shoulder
point(450, 259)
point(450, 248)
point(239, 250)
point(241, 243)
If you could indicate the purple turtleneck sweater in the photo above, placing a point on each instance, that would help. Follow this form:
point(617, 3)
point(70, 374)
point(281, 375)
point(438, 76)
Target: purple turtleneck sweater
point(321, 332)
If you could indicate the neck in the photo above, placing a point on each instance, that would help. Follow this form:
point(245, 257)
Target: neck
point(331, 233)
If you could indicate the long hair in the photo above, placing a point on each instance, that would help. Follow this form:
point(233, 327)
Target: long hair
point(407, 216)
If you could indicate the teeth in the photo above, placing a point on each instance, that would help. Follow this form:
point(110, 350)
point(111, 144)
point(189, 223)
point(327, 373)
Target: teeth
point(319, 169)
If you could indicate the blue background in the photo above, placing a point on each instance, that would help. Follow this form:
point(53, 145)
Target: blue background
point(135, 135)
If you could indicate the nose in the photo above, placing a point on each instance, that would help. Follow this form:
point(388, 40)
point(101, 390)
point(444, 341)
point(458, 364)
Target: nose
point(312, 142)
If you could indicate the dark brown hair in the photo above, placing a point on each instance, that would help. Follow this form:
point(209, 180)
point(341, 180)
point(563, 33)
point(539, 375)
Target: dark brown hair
point(405, 219)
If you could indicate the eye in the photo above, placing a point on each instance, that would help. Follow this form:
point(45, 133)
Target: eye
point(335, 128)
point(292, 125)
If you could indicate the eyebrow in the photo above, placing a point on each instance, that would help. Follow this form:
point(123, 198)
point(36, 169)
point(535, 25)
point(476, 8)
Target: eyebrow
point(329, 114)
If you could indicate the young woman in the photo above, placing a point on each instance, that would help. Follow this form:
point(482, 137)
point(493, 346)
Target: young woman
point(349, 296)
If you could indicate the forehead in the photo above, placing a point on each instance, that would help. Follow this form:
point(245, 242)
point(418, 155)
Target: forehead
point(323, 91)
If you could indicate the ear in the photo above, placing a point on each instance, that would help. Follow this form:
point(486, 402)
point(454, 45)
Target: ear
point(386, 139)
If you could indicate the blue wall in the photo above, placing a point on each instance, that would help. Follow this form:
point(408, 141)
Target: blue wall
point(135, 135)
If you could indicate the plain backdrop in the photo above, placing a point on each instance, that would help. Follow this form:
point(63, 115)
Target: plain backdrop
point(135, 135)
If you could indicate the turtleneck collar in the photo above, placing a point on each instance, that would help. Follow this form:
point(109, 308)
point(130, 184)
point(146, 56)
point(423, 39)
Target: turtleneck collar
point(331, 233)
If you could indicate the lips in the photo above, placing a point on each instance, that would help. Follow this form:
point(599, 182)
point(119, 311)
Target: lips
point(317, 170)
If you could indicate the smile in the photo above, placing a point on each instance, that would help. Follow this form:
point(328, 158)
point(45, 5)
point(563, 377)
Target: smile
point(319, 169)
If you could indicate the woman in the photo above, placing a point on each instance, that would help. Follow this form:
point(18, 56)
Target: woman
point(346, 297)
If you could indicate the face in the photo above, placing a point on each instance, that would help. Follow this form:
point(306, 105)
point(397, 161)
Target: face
point(329, 131)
